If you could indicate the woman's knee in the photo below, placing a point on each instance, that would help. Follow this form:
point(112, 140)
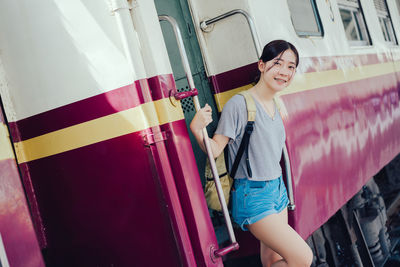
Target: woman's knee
point(283, 239)
point(268, 256)
point(303, 258)
point(308, 257)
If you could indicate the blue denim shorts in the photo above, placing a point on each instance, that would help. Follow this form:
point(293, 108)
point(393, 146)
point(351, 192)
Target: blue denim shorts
point(254, 200)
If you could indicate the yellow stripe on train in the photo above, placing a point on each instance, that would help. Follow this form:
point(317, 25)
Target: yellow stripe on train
point(125, 122)
point(314, 80)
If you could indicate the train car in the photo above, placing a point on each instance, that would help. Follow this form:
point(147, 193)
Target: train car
point(98, 167)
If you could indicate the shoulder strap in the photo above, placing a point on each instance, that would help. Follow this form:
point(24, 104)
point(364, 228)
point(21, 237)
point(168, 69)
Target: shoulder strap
point(250, 105)
point(244, 144)
point(279, 105)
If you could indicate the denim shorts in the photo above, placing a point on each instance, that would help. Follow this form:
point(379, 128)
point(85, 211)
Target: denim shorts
point(254, 200)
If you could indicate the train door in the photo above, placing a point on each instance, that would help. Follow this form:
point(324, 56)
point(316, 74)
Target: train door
point(179, 10)
point(18, 243)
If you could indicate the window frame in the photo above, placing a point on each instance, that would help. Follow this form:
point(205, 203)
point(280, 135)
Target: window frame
point(389, 29)
point(398, 6)
point(317, 17)
point(355, 10)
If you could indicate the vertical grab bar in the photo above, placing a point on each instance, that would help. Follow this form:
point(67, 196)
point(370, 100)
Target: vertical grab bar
point(185, 63)
point(203, 25)
point(289, 184)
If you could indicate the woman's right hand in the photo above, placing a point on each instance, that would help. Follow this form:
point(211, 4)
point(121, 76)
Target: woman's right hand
point(202, 118)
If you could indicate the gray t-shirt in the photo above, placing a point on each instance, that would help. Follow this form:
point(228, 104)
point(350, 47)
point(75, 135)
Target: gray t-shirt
point(266, 141)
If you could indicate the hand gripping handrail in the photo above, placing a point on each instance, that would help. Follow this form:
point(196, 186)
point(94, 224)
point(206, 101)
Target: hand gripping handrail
point(185, 63)
point(203, 25)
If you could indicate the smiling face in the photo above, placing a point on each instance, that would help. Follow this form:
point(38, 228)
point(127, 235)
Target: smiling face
point(278, 73)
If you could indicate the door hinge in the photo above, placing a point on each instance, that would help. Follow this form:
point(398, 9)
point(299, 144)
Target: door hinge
point(116, 5)
point(153, 138)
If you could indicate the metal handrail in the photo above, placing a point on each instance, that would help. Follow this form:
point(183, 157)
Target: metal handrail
point(203, 25)
point(289, 184)
point(185, 63)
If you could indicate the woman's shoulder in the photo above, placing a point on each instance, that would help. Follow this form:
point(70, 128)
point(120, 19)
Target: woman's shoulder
point(236, 102)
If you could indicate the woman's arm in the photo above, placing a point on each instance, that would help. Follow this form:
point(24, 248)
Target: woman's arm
point(201, 120)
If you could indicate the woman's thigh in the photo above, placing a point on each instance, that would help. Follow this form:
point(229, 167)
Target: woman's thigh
point(268, 252)
point(277, 234)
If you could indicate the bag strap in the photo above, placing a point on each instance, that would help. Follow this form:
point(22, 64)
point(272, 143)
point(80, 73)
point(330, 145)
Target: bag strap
point(244, 144)
point(250, 106)
point(277, 104)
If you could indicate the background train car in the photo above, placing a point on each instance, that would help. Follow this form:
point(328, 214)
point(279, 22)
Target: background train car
point(111, 175)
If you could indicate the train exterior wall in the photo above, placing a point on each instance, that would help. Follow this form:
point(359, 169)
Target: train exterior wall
point(337, 143)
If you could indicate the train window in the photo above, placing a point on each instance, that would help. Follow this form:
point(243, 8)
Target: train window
point(354, 22)
point(385, 21)
point(305, 17)
point(398, 5)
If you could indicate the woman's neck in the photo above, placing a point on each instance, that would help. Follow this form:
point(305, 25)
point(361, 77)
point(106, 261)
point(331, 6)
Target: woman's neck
point(264, 93)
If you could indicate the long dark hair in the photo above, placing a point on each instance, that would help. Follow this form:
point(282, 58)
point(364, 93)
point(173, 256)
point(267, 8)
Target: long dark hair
point(274, 49)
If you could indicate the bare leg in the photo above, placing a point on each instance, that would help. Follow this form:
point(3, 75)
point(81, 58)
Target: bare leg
point(275, 233)
point(268, 256)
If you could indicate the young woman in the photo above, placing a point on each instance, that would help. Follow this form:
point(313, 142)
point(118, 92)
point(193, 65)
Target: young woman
point(259, 203)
